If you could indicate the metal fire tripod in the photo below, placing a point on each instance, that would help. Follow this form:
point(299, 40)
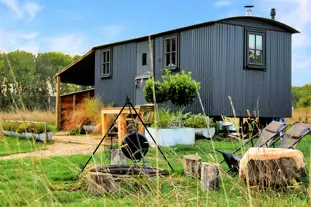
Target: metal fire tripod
point(128, 104)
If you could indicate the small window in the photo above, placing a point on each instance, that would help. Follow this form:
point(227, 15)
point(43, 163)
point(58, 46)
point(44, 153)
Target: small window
point(170, 52)
point(144, 59)
point(106, 64)
point(255, 49)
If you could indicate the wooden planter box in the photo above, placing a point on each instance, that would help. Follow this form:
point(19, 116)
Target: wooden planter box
point(205, 132)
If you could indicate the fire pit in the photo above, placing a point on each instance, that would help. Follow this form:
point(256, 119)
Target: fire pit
point(116, 170)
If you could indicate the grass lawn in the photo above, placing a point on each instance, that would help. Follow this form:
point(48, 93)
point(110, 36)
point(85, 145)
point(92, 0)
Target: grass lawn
point(53, 182)
point(14, 145)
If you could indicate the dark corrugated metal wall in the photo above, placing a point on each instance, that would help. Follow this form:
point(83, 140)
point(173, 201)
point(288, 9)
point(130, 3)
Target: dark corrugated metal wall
point(122, 82)
point(268, 93)
point(215, 55)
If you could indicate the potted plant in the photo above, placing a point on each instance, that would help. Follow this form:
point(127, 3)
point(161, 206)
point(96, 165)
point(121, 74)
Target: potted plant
point(170, 130)
point(42, 132)
point(203, 125)
point(6, 128)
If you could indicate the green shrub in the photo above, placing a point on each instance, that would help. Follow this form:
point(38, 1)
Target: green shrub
point(180, 89)
point(160, 91)
point(39, 128)
point(169, 119)
point(6, 126)
point(198, 121)
point(22, 128)
point(15, 126)
point(78, 130)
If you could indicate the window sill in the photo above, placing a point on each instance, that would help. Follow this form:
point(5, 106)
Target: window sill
point(256, 67)
point(170, 68)
point(105, 76)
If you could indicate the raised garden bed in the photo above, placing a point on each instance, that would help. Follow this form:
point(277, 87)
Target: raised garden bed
point(39, 131)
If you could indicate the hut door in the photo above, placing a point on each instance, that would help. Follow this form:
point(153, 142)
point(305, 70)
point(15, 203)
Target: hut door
point(143, 71)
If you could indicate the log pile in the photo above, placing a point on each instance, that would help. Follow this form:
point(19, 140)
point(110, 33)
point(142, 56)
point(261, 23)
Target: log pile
point(271, 167)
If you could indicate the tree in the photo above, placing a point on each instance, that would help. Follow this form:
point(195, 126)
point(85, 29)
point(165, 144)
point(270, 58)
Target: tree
point(305, 102)
point(180, 89)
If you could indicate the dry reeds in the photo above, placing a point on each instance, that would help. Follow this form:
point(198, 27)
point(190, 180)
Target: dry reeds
point(36, 115)
point(87, 112)
point(300, 115)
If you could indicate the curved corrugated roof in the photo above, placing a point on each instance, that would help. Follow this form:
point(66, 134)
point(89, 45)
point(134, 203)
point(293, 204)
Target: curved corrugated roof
point(285, 27)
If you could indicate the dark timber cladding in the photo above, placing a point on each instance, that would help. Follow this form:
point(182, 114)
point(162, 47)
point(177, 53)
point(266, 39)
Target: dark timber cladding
point(215, 52)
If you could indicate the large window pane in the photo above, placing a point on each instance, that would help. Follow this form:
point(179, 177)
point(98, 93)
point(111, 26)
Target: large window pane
point(173, 58)
point(173, 44)
point(259, 57)
point(107, 68)
point(251, 56)
point(167, 60)
point(168, 45)
point(108, 54)
point(258, 42)
point(104, 57)
point(251, 41)
point(104, 69)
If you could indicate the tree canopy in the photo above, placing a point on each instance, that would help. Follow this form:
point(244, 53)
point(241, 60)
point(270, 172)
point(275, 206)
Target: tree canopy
point(27, 80)
point(301, 96)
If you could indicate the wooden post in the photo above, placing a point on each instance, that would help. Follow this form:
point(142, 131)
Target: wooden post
point(74, 102)
point(121, 127)
point(105, 127)
point(101, 183)
point(210, 176)
point(140, 125)
point(117, 157)
point(58, 104)
point(192, 165)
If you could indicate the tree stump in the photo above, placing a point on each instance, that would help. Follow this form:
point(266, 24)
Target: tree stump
point(117, 157)
point(192, 165)
point(210, 176)
point(101, 183)
point(271, 167)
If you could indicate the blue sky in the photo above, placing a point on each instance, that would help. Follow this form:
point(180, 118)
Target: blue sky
point(74, 26)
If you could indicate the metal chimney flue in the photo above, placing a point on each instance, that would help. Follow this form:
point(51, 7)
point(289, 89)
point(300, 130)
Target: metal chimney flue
point(249, 10)
point(273, 13)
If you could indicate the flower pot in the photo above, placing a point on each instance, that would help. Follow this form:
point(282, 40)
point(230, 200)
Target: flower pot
point(28, 135)
point(7, 133)
point(171, 137)
point(88, 128)
point(15, 134)
point(205, 132)
point(44, 137)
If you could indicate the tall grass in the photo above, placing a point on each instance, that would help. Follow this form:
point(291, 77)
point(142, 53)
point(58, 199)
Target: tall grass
point(25, 115)
point(298, 115)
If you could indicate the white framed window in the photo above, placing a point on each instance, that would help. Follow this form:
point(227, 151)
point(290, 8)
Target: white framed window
point(171, 52)
point(106, 63)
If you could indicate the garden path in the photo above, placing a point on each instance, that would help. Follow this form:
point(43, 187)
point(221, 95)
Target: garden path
point(62, 146)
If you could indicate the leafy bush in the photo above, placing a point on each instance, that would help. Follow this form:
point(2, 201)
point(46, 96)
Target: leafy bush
point(6, 126)
point(26, 127)
point(199, 121)
point(304, 102)
point(180, 89)
point(78, 130)
point(169, 119)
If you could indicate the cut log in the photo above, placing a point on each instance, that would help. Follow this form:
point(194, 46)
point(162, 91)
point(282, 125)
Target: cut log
point(117, 157)
point(210, 176)
point(271, 167)
point(192, 165)
point(101, 183)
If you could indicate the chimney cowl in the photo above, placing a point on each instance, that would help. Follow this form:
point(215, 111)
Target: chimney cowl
point(249, 10)
point(273, 13)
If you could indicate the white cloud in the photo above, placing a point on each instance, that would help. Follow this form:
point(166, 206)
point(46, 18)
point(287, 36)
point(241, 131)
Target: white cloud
point(13, 40)
point(222, 3)
point(110, 33)
point(28, 10)
point(32, 9)
point(69, 43)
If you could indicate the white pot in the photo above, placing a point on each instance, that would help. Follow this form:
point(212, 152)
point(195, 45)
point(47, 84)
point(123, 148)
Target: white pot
point(89, 128)
point(171, 137)
point(28, 135)
point(205, 132)
point(44, 137)
point(7, 133)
